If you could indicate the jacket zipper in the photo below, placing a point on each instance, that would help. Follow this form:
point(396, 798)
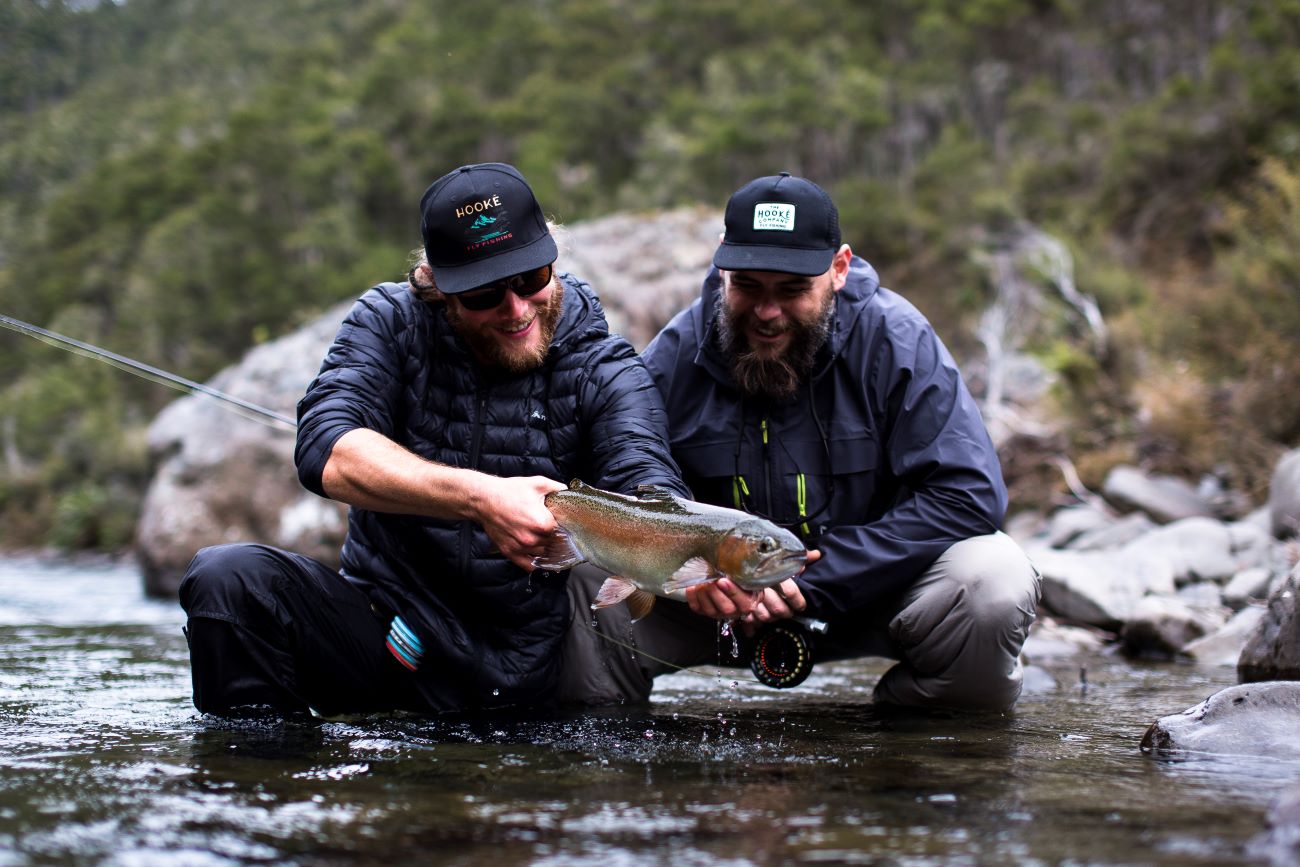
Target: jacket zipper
point(476, 443)
point(767, 468)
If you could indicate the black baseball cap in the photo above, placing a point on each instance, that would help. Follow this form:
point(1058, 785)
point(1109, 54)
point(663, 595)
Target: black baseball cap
point(779, 223)
point(481, 223)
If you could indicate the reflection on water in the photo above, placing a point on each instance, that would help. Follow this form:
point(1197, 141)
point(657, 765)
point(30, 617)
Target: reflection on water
point(104, 760)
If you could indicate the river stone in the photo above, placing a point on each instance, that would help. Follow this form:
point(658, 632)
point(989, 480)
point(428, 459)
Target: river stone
point(1224, 646)
point(1256, 719)
point(1049, 639)
point(1069, 523)
point(1273, 651)
point(1284, 496)
point(1162, 625)
point(1193, 547)
point(1099, 588)
point(1164, 498)
point(1246, 585)
point(1115, 534)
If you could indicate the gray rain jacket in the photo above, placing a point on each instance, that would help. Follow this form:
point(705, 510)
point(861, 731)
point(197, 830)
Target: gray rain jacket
point(885, 419)
point(491, 632)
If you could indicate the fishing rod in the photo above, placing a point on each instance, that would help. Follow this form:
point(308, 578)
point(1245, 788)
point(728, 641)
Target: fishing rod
point(269, 417)
point(237, 405)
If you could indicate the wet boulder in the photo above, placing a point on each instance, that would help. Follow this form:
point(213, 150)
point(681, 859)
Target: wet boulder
point(1257, 719)
point(1163, 498)
point(1284, 496)
point(1099, 588)
point(1248, 584)
point(1224, 645)
point(1161, 626)
point(1193, 547)
point(1273, 650)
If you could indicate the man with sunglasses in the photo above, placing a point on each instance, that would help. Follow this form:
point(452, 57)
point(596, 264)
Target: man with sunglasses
point(446, 409)
point(799, 389)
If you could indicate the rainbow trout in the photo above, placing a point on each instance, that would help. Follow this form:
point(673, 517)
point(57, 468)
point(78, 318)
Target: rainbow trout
point(656, 544)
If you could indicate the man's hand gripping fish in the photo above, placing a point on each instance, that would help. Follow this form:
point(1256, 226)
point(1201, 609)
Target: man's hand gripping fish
point(656, 544)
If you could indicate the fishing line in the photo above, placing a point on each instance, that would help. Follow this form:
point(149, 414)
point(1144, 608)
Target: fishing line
point(738, 679)
point(153, 374)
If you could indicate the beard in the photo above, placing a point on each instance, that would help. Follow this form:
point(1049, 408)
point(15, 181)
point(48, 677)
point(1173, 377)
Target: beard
point(493, 352)
point(762, 373)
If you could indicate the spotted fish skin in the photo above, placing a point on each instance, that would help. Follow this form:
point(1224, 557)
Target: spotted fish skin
point(657, 544)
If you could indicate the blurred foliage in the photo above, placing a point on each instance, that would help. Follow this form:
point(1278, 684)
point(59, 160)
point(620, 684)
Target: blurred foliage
point(181, 179)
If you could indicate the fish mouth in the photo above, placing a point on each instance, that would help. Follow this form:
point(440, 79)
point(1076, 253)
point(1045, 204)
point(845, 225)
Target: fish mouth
point(779, 567)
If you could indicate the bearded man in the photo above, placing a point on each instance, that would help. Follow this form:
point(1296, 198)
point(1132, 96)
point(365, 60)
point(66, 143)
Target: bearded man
point(801, 390)
point(446, 409)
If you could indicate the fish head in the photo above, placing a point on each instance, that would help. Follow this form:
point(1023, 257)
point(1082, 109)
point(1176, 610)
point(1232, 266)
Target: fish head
point(757, 554)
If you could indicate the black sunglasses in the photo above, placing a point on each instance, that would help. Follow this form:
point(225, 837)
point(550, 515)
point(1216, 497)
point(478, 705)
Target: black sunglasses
point(490, 295)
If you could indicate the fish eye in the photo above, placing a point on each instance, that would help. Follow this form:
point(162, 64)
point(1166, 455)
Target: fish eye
point(767, 546)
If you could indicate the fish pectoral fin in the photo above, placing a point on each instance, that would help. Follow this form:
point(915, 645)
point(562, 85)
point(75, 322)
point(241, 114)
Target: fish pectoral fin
point(692, 573)
point(560, 553)
point(613, 591)
point(639, 604)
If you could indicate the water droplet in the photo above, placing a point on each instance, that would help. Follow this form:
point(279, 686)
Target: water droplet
point(496, 692)
point(735, 684)
point(732, 731)
point(675, 716)
point(649, 734)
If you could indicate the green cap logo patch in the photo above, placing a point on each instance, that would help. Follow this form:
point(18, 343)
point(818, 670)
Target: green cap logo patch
point(774, 217)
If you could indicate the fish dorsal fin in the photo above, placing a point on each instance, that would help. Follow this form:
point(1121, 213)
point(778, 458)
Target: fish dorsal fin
point(653, 493)
point(560, 553)
point(613, 591)
point(639, 604)
point(692, 573)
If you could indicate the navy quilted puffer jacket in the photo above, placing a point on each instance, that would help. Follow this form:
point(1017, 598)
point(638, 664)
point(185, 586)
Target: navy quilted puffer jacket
point(491, 632)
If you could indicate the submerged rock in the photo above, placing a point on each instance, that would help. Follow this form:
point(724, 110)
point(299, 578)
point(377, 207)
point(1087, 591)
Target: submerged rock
point(1273, 650)
point(1163, 625)
point(1258, 719)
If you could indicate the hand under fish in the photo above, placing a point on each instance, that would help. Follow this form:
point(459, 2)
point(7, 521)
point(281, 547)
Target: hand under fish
point(657, 544)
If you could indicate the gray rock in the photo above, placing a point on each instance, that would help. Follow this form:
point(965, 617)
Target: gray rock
point(1164, 498)
point(1099, 588)
point(1258, 719)
point(1067, 524)
point(221, 477)
point(1049, 639)
point(1163, 625)
point(1248, 584)
point(1115, 534)
point(1224, 646)
point(1194, 548)
point(1273, 650)
point(1201, 594)
point(1284, 496)
point(1025, 526)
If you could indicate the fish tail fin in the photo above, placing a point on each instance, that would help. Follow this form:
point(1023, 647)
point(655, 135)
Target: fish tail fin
point(560, 553)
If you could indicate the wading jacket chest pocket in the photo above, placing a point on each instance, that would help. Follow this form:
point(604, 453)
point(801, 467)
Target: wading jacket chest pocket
point(800, 482)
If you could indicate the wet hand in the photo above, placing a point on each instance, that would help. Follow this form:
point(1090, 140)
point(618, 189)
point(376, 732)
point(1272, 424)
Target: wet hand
point(513, 513)
point(781, 602)
point(722, 600)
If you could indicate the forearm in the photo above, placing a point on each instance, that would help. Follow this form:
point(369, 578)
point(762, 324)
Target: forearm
point(370, 471)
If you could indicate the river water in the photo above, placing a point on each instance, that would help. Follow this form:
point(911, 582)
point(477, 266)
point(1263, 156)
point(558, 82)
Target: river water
point(103, 760)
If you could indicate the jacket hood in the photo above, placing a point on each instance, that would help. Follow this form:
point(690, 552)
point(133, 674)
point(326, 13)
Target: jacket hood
point(850, 302)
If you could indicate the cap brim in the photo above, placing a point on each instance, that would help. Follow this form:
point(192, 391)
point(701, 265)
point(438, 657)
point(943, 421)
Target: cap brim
point(452, 280)
point(757, 257)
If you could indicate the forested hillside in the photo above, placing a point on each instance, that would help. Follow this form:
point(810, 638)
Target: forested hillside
point(182, 179)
